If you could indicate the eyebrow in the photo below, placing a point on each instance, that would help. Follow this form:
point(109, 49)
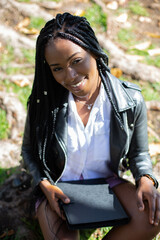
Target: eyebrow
point(56, 64)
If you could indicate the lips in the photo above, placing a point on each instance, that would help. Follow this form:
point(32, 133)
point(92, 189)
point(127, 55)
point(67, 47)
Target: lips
point(78, 86)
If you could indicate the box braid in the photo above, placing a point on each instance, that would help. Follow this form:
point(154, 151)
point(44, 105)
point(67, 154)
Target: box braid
point(47, 94)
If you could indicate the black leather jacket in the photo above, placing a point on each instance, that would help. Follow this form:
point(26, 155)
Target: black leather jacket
point(128, 136)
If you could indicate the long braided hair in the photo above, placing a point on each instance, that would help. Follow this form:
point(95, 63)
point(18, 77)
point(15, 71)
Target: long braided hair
point(45, 93)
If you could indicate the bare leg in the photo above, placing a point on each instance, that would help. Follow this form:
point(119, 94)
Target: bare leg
point(52, 226)
point(139, 227)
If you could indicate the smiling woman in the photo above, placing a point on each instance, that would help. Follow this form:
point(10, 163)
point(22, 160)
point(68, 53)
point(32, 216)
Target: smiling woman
point(77, 70)
point(83, 123)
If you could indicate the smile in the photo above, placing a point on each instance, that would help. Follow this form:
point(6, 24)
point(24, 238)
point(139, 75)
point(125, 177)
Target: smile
point(78, 86)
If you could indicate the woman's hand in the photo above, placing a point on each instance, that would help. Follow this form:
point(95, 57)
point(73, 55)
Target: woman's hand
point(54, 194)
point(146, 191)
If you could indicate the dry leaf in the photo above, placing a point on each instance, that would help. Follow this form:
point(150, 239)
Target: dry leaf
point(112, 5)
point(22, 27)
point(20, 80)
point(1, 88)
point(24, 23)
point(117, 72)
point(153, 35)
point(154, 149)
point(79, 12)
point(122, 18)
point(145, 19)
point(31, 31)
point(154, 52)
point(7, 233)
point(142, 46)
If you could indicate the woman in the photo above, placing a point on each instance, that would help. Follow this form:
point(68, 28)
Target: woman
point(83, 123)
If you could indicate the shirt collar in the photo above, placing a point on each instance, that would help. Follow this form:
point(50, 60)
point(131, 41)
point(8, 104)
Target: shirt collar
point(102, 97)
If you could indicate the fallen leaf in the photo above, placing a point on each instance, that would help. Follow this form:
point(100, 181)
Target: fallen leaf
point(112, 5)
point(153, 35)
point(79, 12)
point(24, 23)
point(31, 31)
point(122, 18)
point(145, 19)
point(117, 72)
point(7, 233)
point(21, 81)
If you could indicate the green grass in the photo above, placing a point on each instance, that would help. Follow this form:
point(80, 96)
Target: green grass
point(150, 60)
point(96, 17)
point(6, 173)
point(28, 55)
point(150, 91)
point(9, 70)
point(33, 225)
point(7, 55)
point(127, 36)
point(136, 8)
point(4, 127)
point(36, 22)
point(94, 234)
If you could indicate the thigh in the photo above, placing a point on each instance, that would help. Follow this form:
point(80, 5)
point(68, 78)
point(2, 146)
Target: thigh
point(53, 227)
point(138, 227)
point(126, 193)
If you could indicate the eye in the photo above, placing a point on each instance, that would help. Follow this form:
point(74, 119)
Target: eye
point(57, 69)
point(77, 60)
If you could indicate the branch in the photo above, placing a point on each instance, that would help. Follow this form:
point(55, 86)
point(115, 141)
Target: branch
point(127, 63)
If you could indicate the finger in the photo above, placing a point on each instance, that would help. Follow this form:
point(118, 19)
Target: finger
point(157, 215)
point(57, 209)
point(63, 197)
point(140, 203)
point(152, 208)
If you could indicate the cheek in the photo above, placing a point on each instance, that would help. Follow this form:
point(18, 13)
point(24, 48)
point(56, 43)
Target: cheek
point(90, 66)
point(58, 79)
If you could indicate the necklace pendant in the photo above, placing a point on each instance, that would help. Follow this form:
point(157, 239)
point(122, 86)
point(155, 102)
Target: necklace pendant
point(89, 107)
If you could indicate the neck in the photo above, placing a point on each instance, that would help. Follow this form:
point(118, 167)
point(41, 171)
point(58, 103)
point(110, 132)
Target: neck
point(89, 98)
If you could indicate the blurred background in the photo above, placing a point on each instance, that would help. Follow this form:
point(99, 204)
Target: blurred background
point(128, 31)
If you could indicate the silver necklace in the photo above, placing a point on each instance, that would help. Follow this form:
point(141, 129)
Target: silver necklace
point(89, 106)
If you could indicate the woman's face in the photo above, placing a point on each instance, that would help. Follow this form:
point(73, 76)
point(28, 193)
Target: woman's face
point(72, 67)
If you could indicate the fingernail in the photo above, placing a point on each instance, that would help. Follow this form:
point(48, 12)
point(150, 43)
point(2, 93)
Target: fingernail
point(67, 200)
point(156, 223)
point(140, 208)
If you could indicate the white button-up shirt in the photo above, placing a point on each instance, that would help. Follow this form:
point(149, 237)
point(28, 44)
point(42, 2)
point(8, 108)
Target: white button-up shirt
point(88, 146)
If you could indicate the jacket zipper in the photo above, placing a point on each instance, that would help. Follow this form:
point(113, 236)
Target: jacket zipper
point(65, 156)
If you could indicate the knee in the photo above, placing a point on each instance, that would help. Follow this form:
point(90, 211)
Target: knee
point(142, 226)
point(69, 235)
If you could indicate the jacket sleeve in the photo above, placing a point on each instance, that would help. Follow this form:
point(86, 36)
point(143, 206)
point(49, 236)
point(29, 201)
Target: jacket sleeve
point(138, 155)
point(29, 162)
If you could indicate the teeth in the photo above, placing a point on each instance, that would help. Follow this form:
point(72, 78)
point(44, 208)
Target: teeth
point(76, 85)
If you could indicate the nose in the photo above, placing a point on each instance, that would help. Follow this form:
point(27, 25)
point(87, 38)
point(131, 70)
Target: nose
point(70, 74)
